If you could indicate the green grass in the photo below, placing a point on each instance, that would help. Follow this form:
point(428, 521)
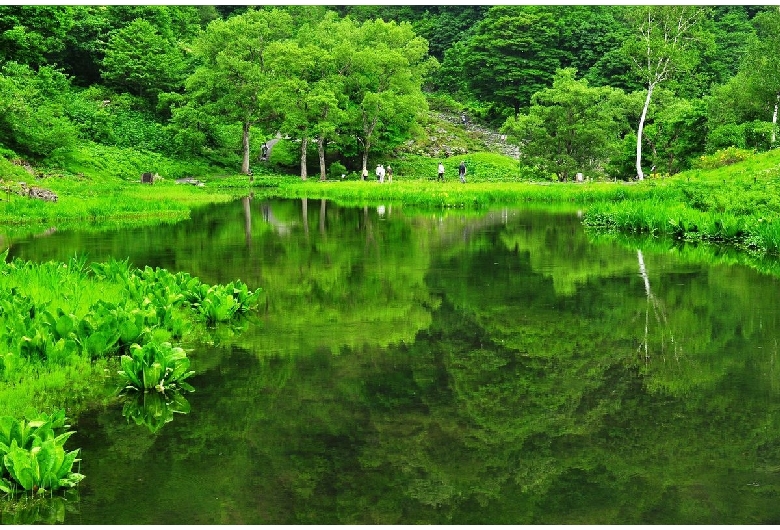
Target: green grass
point(735, 204)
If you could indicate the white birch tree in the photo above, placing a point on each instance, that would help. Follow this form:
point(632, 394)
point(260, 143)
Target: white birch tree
point(661, 48)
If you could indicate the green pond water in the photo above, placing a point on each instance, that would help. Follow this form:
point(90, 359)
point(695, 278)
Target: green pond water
point(408, 368)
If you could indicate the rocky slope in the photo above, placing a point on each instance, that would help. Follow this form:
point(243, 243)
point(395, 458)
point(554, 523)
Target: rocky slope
point(445, 135)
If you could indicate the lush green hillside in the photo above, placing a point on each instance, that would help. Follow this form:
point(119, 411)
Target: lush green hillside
point(561, 88)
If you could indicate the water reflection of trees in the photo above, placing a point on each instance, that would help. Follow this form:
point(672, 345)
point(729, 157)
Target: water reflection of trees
point(429, 377)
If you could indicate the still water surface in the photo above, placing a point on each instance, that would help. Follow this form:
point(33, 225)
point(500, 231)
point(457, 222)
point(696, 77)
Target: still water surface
point(445, 368)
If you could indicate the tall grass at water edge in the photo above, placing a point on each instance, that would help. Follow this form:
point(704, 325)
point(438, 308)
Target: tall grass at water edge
point(457, 195)
point(738, 205)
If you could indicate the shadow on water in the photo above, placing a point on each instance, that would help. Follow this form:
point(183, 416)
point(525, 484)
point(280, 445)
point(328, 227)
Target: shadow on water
point(444, 368)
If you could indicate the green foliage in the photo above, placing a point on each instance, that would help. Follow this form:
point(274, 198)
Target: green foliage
point(141, 61)
point(676, 135)
point(33, 457)
point(156, 366)
point(337, 169)
point(570, 128)
point(100, 161)
point(723, 157)
point(223, 303)
point(32, 34)
point(502, 53)
point(734, 203)
point(32, 110)
point(72, 312)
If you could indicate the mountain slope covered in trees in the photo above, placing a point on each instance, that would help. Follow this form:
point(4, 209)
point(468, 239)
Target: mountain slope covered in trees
point(570, 86)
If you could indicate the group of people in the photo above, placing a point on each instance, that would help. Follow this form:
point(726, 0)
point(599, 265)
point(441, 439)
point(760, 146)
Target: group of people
point(461, 171)
point(381, 172)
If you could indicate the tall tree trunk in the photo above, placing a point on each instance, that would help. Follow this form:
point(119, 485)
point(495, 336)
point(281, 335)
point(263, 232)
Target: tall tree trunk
point(321, 150)
point(304, 145)
point(639, 174)
point(245, 143)
point(366, 146)
point(368, 130)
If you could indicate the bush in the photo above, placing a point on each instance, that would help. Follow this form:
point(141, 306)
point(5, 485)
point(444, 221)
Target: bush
point(729, 135)
point(337, 169)
point(723, 157)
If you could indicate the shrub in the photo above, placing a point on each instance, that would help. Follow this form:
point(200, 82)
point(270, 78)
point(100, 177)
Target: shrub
point(723, 157)
point(337, 169)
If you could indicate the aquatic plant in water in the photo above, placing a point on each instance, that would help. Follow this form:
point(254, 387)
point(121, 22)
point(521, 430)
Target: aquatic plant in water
point(156, 366)
point(220, 303)
point(33, 457)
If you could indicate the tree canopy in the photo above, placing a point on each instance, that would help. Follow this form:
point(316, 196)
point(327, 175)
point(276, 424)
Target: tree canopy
point(348, 83)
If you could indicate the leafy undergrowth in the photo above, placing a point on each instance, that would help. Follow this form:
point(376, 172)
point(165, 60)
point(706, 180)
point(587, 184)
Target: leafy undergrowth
point(62, 317)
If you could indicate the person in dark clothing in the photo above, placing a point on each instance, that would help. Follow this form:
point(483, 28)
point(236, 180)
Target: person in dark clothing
point(462, 171)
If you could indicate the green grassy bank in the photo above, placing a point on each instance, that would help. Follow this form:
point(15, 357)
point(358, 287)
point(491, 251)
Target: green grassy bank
point(731, 200)
point(735, 203)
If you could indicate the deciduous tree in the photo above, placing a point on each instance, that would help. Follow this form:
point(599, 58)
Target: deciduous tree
point(233, 82)
point(661, 48)
point(512, 54)
point(569, 128)
point(141, 61)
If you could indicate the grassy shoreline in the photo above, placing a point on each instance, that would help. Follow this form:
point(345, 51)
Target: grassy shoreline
point(734, 204)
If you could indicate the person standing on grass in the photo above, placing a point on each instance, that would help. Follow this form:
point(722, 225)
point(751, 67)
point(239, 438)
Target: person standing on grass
point(462, 171)
point(389, 174)
point(365, 173)
point(441, 172)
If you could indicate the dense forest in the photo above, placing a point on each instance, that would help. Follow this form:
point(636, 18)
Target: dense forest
point(573, 86)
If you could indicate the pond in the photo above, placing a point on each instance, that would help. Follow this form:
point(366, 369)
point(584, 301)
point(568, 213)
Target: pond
point(502, 367)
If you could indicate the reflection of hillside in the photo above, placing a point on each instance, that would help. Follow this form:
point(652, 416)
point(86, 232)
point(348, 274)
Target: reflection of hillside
point(431, 370)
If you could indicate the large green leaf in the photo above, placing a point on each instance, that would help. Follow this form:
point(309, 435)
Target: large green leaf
point(130, 371)
point(22, 466)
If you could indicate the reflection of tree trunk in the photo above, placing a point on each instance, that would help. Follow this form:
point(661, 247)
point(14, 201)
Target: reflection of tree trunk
point(643, 272)
point(305, 212)
point(247, 222)
point(265, 210)
point(369, 230)
point(322, 217)
point(658, 310)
